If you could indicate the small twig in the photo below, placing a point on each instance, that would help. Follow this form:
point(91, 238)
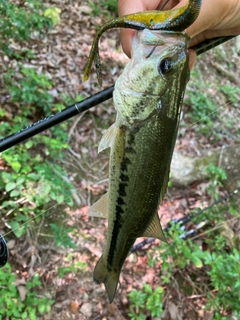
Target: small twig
point(75, 124)
point(219, 226)
point(196, 296)
point(226, 73)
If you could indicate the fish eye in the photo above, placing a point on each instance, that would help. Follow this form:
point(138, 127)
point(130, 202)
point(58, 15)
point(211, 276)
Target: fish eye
point(165, 66)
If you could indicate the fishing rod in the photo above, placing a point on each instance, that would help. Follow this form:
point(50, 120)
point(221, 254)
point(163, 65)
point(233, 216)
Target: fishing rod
point(85, 104)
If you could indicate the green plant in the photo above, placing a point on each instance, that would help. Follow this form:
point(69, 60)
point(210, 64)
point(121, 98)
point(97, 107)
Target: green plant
point(216, 176)
point(11, 305)
point(53, 14)
point(110, 6)
point(18, 22)
point(231, 93)
point(32, 176)
point(223, 269)
point(210, 119)
point(182, 252)
point(72, 268)
point(225, 279)
point(145, 301)
point(32, 89)
point(61, 236)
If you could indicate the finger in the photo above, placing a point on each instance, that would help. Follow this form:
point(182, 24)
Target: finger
point(192, 58)
point(133, 6)
point(126, 35)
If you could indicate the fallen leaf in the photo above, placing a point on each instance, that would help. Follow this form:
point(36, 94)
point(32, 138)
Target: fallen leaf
point(112, 308)
point(74, 307)
point(173, 310)
point(22, 292)
point(86, 309)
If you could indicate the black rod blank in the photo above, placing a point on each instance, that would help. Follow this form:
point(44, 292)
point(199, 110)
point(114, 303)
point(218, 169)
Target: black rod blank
point(85, 104)
point(54, 119)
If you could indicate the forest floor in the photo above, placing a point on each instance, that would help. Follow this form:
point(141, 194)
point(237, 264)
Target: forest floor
point(63, 55)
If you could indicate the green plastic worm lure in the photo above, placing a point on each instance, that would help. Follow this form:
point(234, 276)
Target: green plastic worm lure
point(172, 20)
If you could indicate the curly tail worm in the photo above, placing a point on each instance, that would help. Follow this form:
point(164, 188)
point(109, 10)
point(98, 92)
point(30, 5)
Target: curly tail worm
point(172, 20)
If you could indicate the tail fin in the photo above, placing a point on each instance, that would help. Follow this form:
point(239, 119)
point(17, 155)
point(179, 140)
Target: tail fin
point(109, 278)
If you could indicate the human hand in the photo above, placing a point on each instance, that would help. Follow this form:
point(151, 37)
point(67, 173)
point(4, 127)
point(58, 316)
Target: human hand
point(216, 18)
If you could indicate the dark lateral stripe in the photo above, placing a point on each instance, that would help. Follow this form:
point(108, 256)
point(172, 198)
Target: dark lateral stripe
point(119, 211)
point(130, 150)
point(121, 189)
point(120, 201)
point(115, 233)
point(125, 163)
point(124, 179)
point(116, 228)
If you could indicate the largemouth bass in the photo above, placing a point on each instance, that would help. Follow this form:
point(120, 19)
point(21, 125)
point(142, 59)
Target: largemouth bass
point(172, 20)
point(148, 98)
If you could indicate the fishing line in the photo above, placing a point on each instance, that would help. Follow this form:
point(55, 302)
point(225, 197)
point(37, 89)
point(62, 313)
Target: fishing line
point(163, 6)
point(31, 219)
point(210, 113)
point(43, 213)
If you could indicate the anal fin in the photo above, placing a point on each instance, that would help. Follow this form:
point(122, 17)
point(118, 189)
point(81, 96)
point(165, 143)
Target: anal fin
point(154, 230)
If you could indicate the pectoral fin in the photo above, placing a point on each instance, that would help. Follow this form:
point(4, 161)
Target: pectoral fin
point(154, 230)
point(107, 138)
point(100, 208)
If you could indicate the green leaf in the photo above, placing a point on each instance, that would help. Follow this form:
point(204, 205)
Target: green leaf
point(14, 193)
point(60, 199)
point(46, 189)
point(10, 186)
point(53, 14)
point(20, 180)
point(197, 262)
point(29, 144)
point(16, 166)
point(41, 308)
point(17, 228)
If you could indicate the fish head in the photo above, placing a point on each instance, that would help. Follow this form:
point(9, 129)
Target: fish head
point(157, 73)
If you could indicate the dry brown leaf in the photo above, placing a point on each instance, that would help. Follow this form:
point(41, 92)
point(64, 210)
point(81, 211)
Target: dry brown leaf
point(112, 308)
point(74, 307)
point(22, 292)
point(173, 310)
point(86, 309)
point(11, 244)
